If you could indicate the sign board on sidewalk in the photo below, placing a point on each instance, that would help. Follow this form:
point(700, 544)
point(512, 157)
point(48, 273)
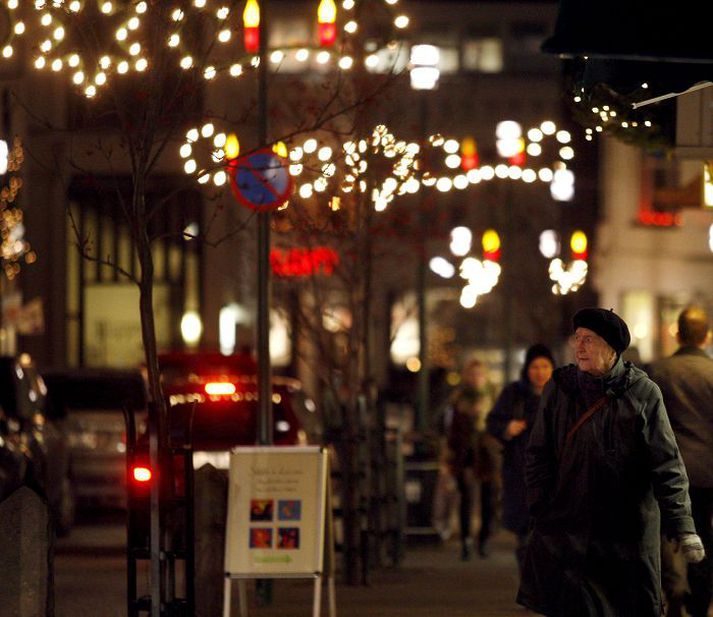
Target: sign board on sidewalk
point(277, 504)
point(260, 180)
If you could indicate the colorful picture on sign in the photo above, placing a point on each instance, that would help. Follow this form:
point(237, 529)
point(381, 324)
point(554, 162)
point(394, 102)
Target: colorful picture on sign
point(288, 537)
point(289, 510)
point(260, 537)
point(262, 509)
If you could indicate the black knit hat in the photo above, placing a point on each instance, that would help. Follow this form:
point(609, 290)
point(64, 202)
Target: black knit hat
point(538, 350)
point(606, 324)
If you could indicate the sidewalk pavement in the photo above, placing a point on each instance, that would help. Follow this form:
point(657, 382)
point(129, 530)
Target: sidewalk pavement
point(431, 581)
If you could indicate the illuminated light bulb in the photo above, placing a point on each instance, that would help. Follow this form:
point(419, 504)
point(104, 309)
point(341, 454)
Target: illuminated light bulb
point(442, 267)
point(13, 4)
point(185, 151)
point(122, 34)
point(135, 49)
point(186, 62)
point(219, 140)
point(190, 166)
point(204, 179)
point(236, 70)
point(220, 178)
point(105, 62)
point(295, 169)
point(508, 130)
point(207, 129)
point(107, 8)
point(529, 175)
point(534, 149)
point(306, 191)
point(192, 135)
point(251, 27)
point(255, 61)
point(90, 91)
point(391, 1)
point(19, 27)
point(549, 244)
point(487, 173)
point(100, 79)
point(46, 19)
point(280, 149)
point(224, 35)
point(133, 23)
point(75, 6)
point(514, 172)
point(222, 13)
point(325, 153)
point(218, 155)
point(566, 153)
point(548, 127)
point(473, 176)
point(647, 123)
point(545, 174)
point(174, 40)
point(501, 171)
point(57, 65)
point(232, 146)
point(453, 161)
point(301, 55)
point(296, 154)
point(346, 62)
point(199, 4)
point(209, 72)
point(123, 67)
point(320, 185)
point(444, 184)
point(277, 56)
point(371, 61)
point(310, 145)
point(46, 46)
point(323, 57)
point(177, 15)
point(563, 137)
point(7, 51)
point(351, 27)
point(348, 5)
point(401, 22)
point(451, 146)
point(40, 62)
point(141, 65)
point(534, 135)
point(578, 243)
point(141, 7)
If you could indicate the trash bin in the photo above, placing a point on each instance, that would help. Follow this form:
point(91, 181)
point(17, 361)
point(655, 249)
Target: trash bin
point(419, 487)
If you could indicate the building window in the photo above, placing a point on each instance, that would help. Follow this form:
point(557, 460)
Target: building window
point(483, 54)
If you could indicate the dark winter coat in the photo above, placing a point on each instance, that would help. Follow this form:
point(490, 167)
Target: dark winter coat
point(686, 382)
point(517, 401)
point(598, 502)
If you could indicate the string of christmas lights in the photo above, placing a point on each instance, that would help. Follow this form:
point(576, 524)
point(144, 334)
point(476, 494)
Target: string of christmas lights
point(56, 32)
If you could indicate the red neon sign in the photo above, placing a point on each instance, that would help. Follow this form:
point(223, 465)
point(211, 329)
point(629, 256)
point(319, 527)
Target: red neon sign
point(303, 262)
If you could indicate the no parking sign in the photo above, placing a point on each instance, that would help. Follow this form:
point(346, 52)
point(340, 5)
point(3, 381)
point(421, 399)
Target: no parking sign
point(260, 180)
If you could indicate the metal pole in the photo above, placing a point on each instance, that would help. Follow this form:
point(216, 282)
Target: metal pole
point(423, 373)
point(265, 436)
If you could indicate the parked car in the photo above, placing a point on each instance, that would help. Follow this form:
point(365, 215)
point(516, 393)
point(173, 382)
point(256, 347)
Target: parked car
point(216, 396)
point(34, 448)
point(92, 403)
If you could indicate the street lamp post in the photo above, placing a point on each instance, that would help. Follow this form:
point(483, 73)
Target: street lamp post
point(424, 75)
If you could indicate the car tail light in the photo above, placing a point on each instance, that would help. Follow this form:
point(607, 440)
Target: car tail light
point(219, 388)
point(141, 474)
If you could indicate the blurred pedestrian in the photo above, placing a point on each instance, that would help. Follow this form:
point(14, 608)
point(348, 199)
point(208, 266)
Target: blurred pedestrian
point(510, 422)
point(463, 451)
point(603, 472)
point(474, 376)
point(686, 382)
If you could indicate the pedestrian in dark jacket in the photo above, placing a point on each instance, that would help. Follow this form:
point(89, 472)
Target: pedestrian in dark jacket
point(686, 382)
point(510, 422)
point(463, 451)
point(603, 473)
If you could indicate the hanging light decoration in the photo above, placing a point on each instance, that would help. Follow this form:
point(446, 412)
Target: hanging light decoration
point(251, 27)
point(326, 22)
point(569, 277)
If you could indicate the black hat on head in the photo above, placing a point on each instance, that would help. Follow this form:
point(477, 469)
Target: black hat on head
point(606, 324)
point(538, 350)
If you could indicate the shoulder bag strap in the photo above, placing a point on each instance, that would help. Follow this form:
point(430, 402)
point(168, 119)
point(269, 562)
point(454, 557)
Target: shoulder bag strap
point(585, 416)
